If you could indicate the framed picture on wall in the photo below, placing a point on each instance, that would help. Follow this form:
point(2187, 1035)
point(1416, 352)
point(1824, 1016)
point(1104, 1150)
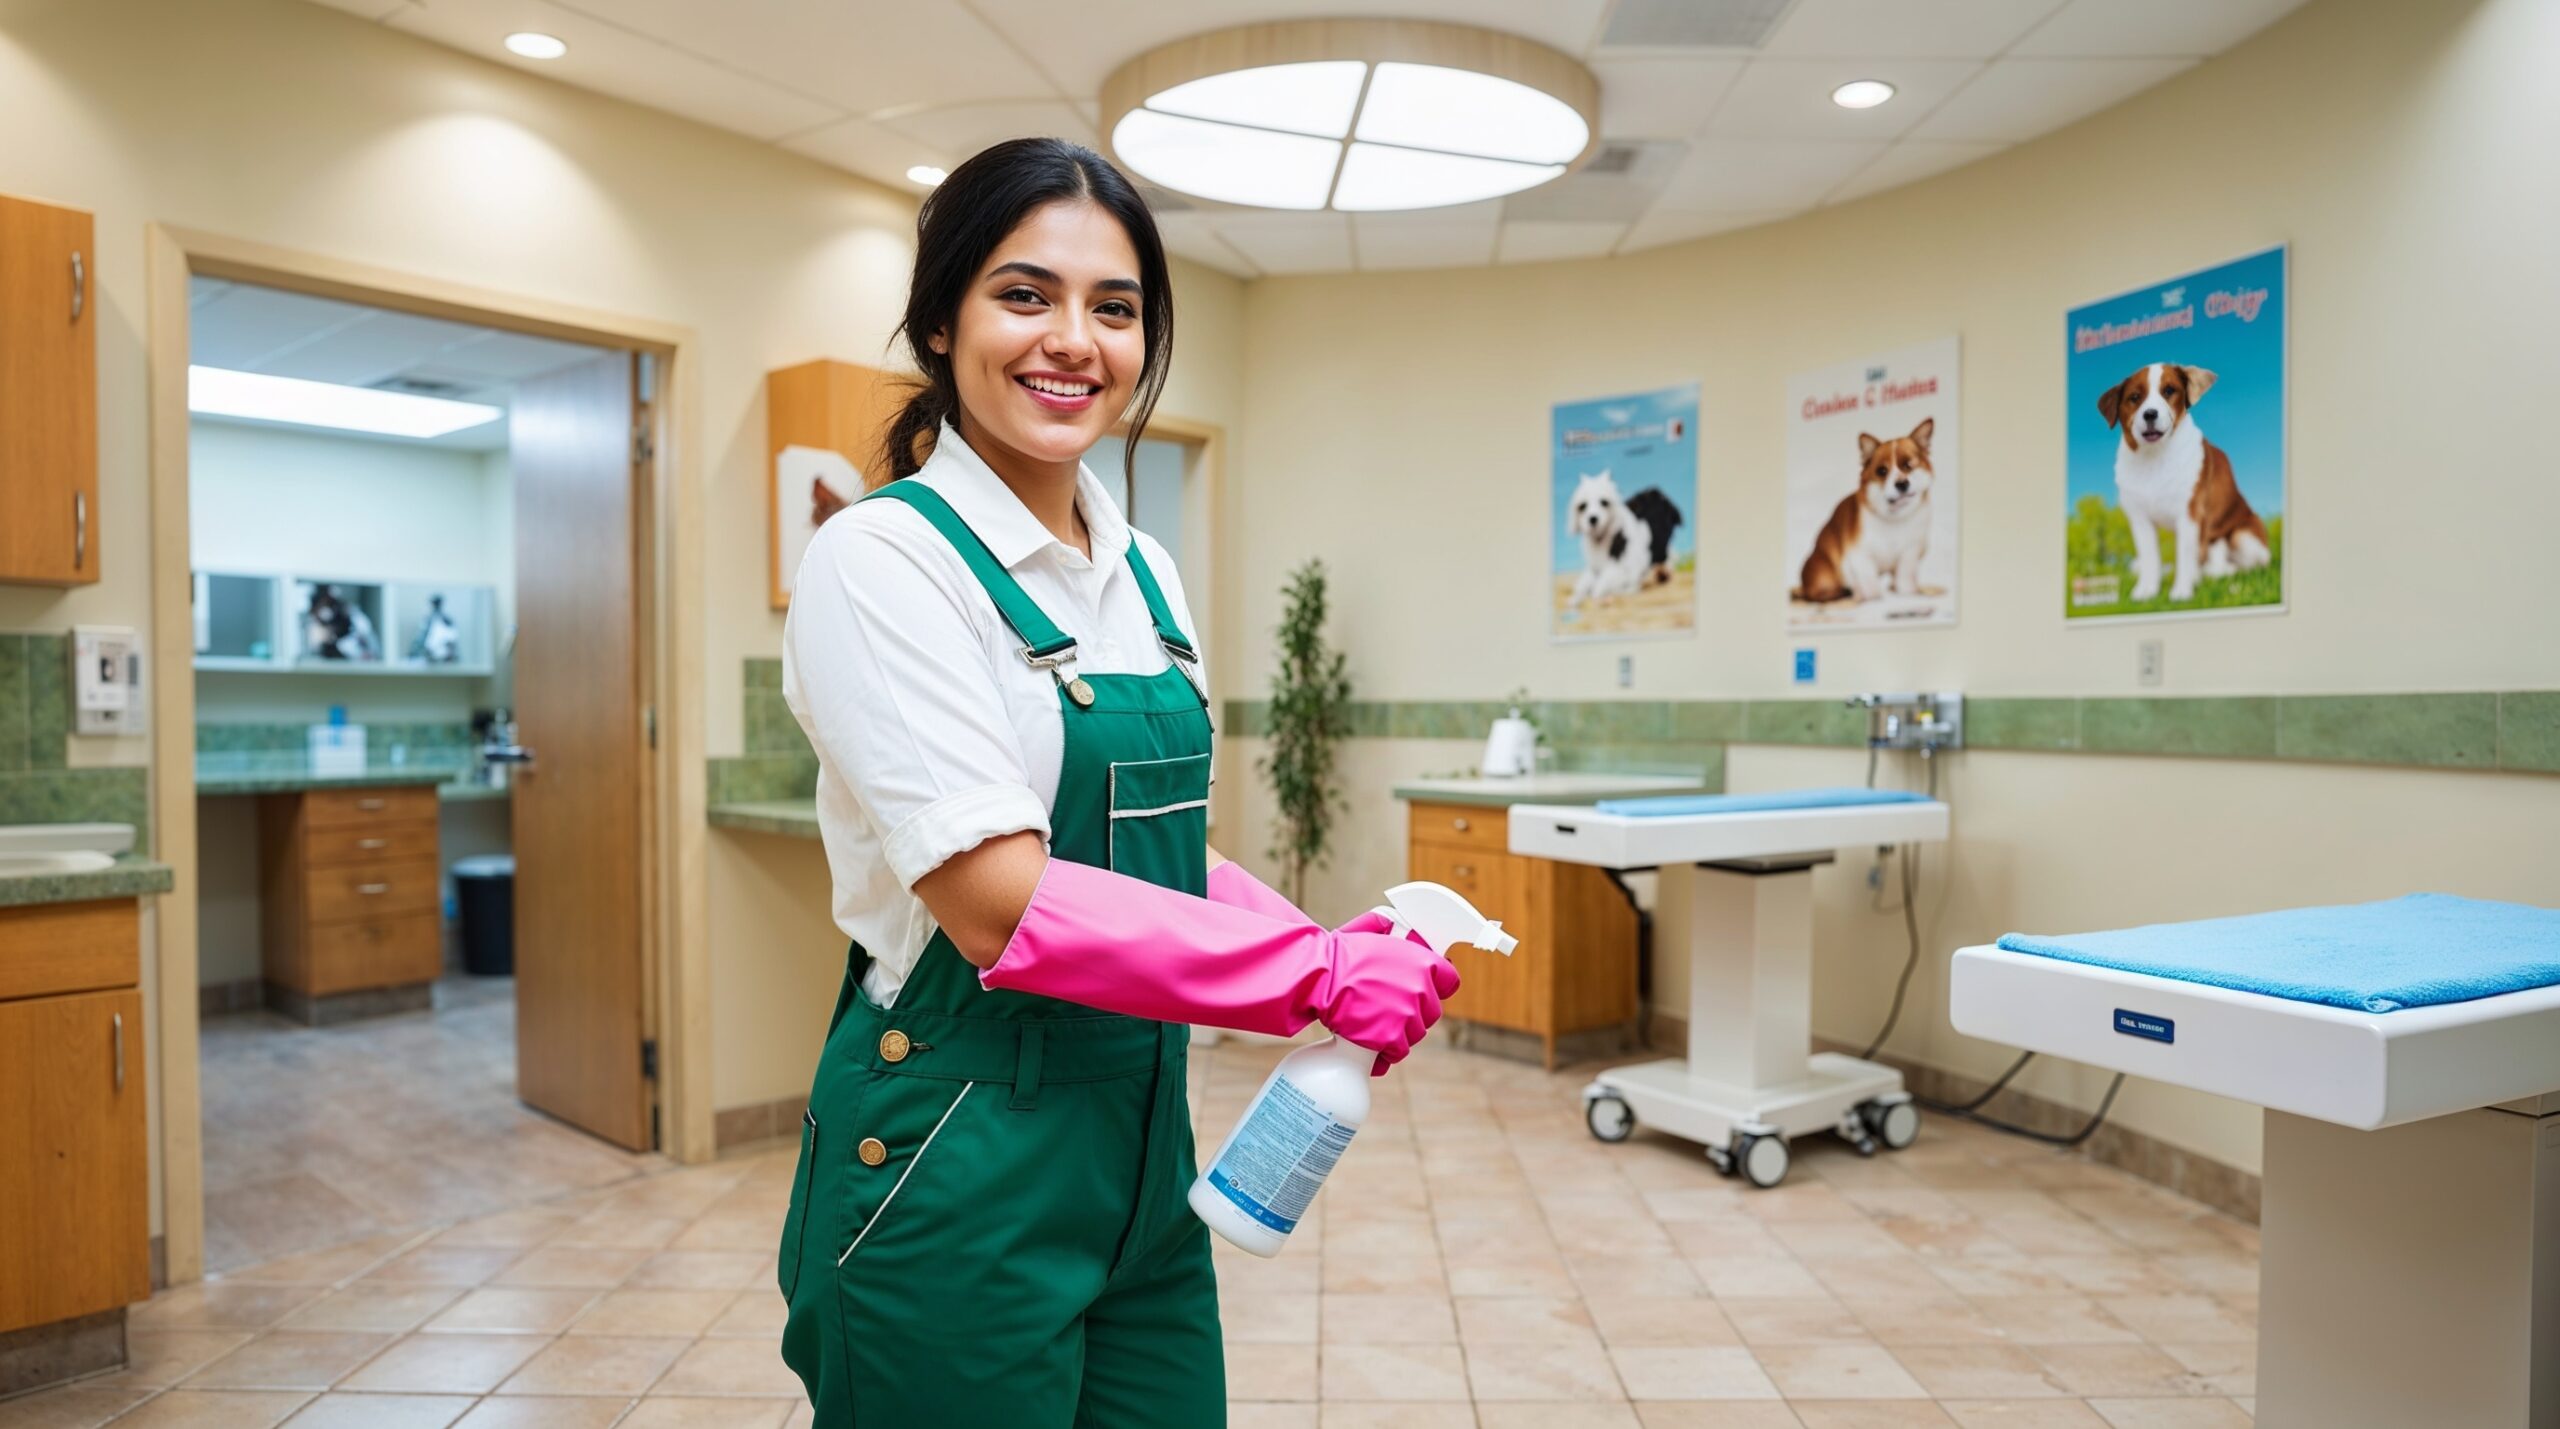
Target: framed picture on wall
point(2175, 487)
point(1622, 502)
point(823, 422)
point(1872, 492)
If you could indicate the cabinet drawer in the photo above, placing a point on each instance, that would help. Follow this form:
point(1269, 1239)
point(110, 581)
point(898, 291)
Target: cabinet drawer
point(333, 808)
point(376, 952)
point(70, 947)
point(1462, 826)
point(369, 890)
point(328, 845)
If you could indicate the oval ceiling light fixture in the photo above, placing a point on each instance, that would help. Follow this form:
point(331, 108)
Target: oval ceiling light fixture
point(1353, 115)
point(926, 174)
point(535, 45)
point(1862, 94)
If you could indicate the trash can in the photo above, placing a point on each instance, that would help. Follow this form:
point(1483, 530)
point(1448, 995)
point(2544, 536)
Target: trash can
point(485, 886)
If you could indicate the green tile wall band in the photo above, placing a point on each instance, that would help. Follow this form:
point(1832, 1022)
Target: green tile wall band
point(48, 700)
point(13, 703)
point(2514, 731)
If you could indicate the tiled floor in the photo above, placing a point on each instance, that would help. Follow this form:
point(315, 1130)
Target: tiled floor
point(314, 1137)
point(1478, 1261)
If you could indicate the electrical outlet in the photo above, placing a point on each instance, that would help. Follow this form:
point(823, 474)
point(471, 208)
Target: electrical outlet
point(1626, 672)
point(2147, 662)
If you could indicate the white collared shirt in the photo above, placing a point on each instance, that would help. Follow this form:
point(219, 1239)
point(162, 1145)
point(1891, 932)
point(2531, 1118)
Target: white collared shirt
point(933, 735)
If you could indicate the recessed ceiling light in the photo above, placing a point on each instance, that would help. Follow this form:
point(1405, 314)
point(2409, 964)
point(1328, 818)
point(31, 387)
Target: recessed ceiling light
point(926, 174)
point(1353, 115)
point(535, 45)
point(263, 397)
point(1862, 94)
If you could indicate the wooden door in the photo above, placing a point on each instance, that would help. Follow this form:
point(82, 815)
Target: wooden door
point(48, 395)
point(580, 805)
point(75, 1227)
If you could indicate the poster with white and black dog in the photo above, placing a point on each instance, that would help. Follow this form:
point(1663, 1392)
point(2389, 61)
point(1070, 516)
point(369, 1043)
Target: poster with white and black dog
point(1622, 502)
point(1872, 506)
point(2174, 492)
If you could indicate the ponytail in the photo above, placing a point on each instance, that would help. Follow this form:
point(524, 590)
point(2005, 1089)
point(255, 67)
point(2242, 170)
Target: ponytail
point(909, 438)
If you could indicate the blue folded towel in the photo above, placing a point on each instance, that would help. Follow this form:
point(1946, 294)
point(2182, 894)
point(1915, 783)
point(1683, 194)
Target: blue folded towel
point(2417, 951)
point(1664, 806)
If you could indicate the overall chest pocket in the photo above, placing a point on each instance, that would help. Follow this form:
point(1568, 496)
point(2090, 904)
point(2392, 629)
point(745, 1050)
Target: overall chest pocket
point(1160, 820)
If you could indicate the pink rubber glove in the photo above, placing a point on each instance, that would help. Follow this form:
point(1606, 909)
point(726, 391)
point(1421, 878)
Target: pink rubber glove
point(1231, 885)
point(1105, 940)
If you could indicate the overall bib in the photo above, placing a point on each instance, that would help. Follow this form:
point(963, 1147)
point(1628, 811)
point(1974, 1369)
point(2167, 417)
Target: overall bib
point(988, 1226)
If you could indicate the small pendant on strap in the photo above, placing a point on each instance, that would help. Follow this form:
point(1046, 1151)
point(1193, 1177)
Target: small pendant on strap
point(1080, 692)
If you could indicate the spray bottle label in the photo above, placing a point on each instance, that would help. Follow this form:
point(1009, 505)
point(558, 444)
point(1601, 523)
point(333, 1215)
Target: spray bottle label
point(1279, 1158)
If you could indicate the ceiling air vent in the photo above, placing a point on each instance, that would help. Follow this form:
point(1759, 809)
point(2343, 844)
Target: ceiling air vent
point(426, 387)
point(1612, 159)
point(1693, 24)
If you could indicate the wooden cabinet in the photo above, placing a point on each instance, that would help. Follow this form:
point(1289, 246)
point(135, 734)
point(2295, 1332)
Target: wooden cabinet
point(1575, 968)
point(351, 890)
point(48, 395)
point(74, 1182)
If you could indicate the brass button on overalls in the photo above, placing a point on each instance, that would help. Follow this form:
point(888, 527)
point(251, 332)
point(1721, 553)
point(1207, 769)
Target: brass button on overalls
point(894, 1046)
point(871, 1151)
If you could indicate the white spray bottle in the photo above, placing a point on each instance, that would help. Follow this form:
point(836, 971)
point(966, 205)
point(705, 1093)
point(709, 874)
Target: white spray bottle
point(1295, 1128)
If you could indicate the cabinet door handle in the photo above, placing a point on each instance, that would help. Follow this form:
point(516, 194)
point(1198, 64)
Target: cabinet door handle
point(373, 843)
point(368, 805)
point(1459, 824)
point(1463, 870)
point(370, 889)
point(119, 1026)
point(79, 284)
point(79, 529)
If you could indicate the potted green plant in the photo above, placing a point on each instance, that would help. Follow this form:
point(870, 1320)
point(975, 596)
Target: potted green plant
point(1310, 715)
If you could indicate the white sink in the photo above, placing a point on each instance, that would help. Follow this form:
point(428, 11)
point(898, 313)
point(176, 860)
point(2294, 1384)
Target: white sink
point(61, 848)
point(75, 860)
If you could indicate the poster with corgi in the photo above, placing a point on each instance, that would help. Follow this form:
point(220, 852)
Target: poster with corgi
point(2174, 497)
point(1622, 505)
point(1872, 506)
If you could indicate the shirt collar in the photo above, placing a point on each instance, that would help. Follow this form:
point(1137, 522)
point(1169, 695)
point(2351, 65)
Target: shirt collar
point(1012, 534)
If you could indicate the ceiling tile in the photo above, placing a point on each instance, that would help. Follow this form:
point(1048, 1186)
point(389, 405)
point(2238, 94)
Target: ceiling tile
point(1888, 29)
point(1539, 240)
point(960, 130)
point(2015, 100)
point(1907, 162)
point(1618, 185)
point(1459, 236)
point(1291, 242)
point(874, 151)
point(242, 325)
point(1661, 98)
point(1791, 99)
point(870, 57)
point(1195, 236)
point(1102, 35)
point(1656, 229)
point(362, 353)
point(494, 356)
point(1762, 175)
point(2111, 29)
point(609, 59)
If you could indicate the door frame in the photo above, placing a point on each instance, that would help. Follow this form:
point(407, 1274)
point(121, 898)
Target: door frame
point(675, 964)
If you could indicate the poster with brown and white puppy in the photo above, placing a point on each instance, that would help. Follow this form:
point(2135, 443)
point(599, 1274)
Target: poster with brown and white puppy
point(1872, 510)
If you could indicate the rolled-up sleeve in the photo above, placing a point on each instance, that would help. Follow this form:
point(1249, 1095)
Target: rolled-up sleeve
point(886, 669)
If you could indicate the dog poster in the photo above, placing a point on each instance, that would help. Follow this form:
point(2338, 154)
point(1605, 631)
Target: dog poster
point(1872, 512)
point(1622, 502)
point(2175, 495)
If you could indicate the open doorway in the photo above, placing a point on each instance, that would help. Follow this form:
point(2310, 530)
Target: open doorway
point(420, 560)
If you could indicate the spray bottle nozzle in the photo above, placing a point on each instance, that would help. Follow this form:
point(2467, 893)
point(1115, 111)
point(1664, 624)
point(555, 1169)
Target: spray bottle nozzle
point(1444, 919)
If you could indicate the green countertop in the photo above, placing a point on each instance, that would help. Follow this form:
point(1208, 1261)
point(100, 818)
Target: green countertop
point(132, 876)
point(793, 818)
point(259, 773)
point(1573, 788)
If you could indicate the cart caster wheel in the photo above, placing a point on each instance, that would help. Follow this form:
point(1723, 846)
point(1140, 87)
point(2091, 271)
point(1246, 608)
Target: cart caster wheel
point(1762, 1159)
point(1720, 1159)
point(1609, 1117)
point(1864, 1146)
point(1896, 1124)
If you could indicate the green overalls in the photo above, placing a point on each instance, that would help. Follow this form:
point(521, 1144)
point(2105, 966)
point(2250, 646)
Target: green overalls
point(988, 1226)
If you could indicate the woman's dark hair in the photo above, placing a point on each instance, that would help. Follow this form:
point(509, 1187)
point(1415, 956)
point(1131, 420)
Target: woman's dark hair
point(958, 227)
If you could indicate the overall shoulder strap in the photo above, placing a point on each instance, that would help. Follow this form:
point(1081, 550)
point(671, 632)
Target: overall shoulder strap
point(1167, 629)
point(1042, 641)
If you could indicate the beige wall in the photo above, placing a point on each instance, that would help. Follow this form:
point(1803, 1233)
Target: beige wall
point(1397, 425)
point(287, 123)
